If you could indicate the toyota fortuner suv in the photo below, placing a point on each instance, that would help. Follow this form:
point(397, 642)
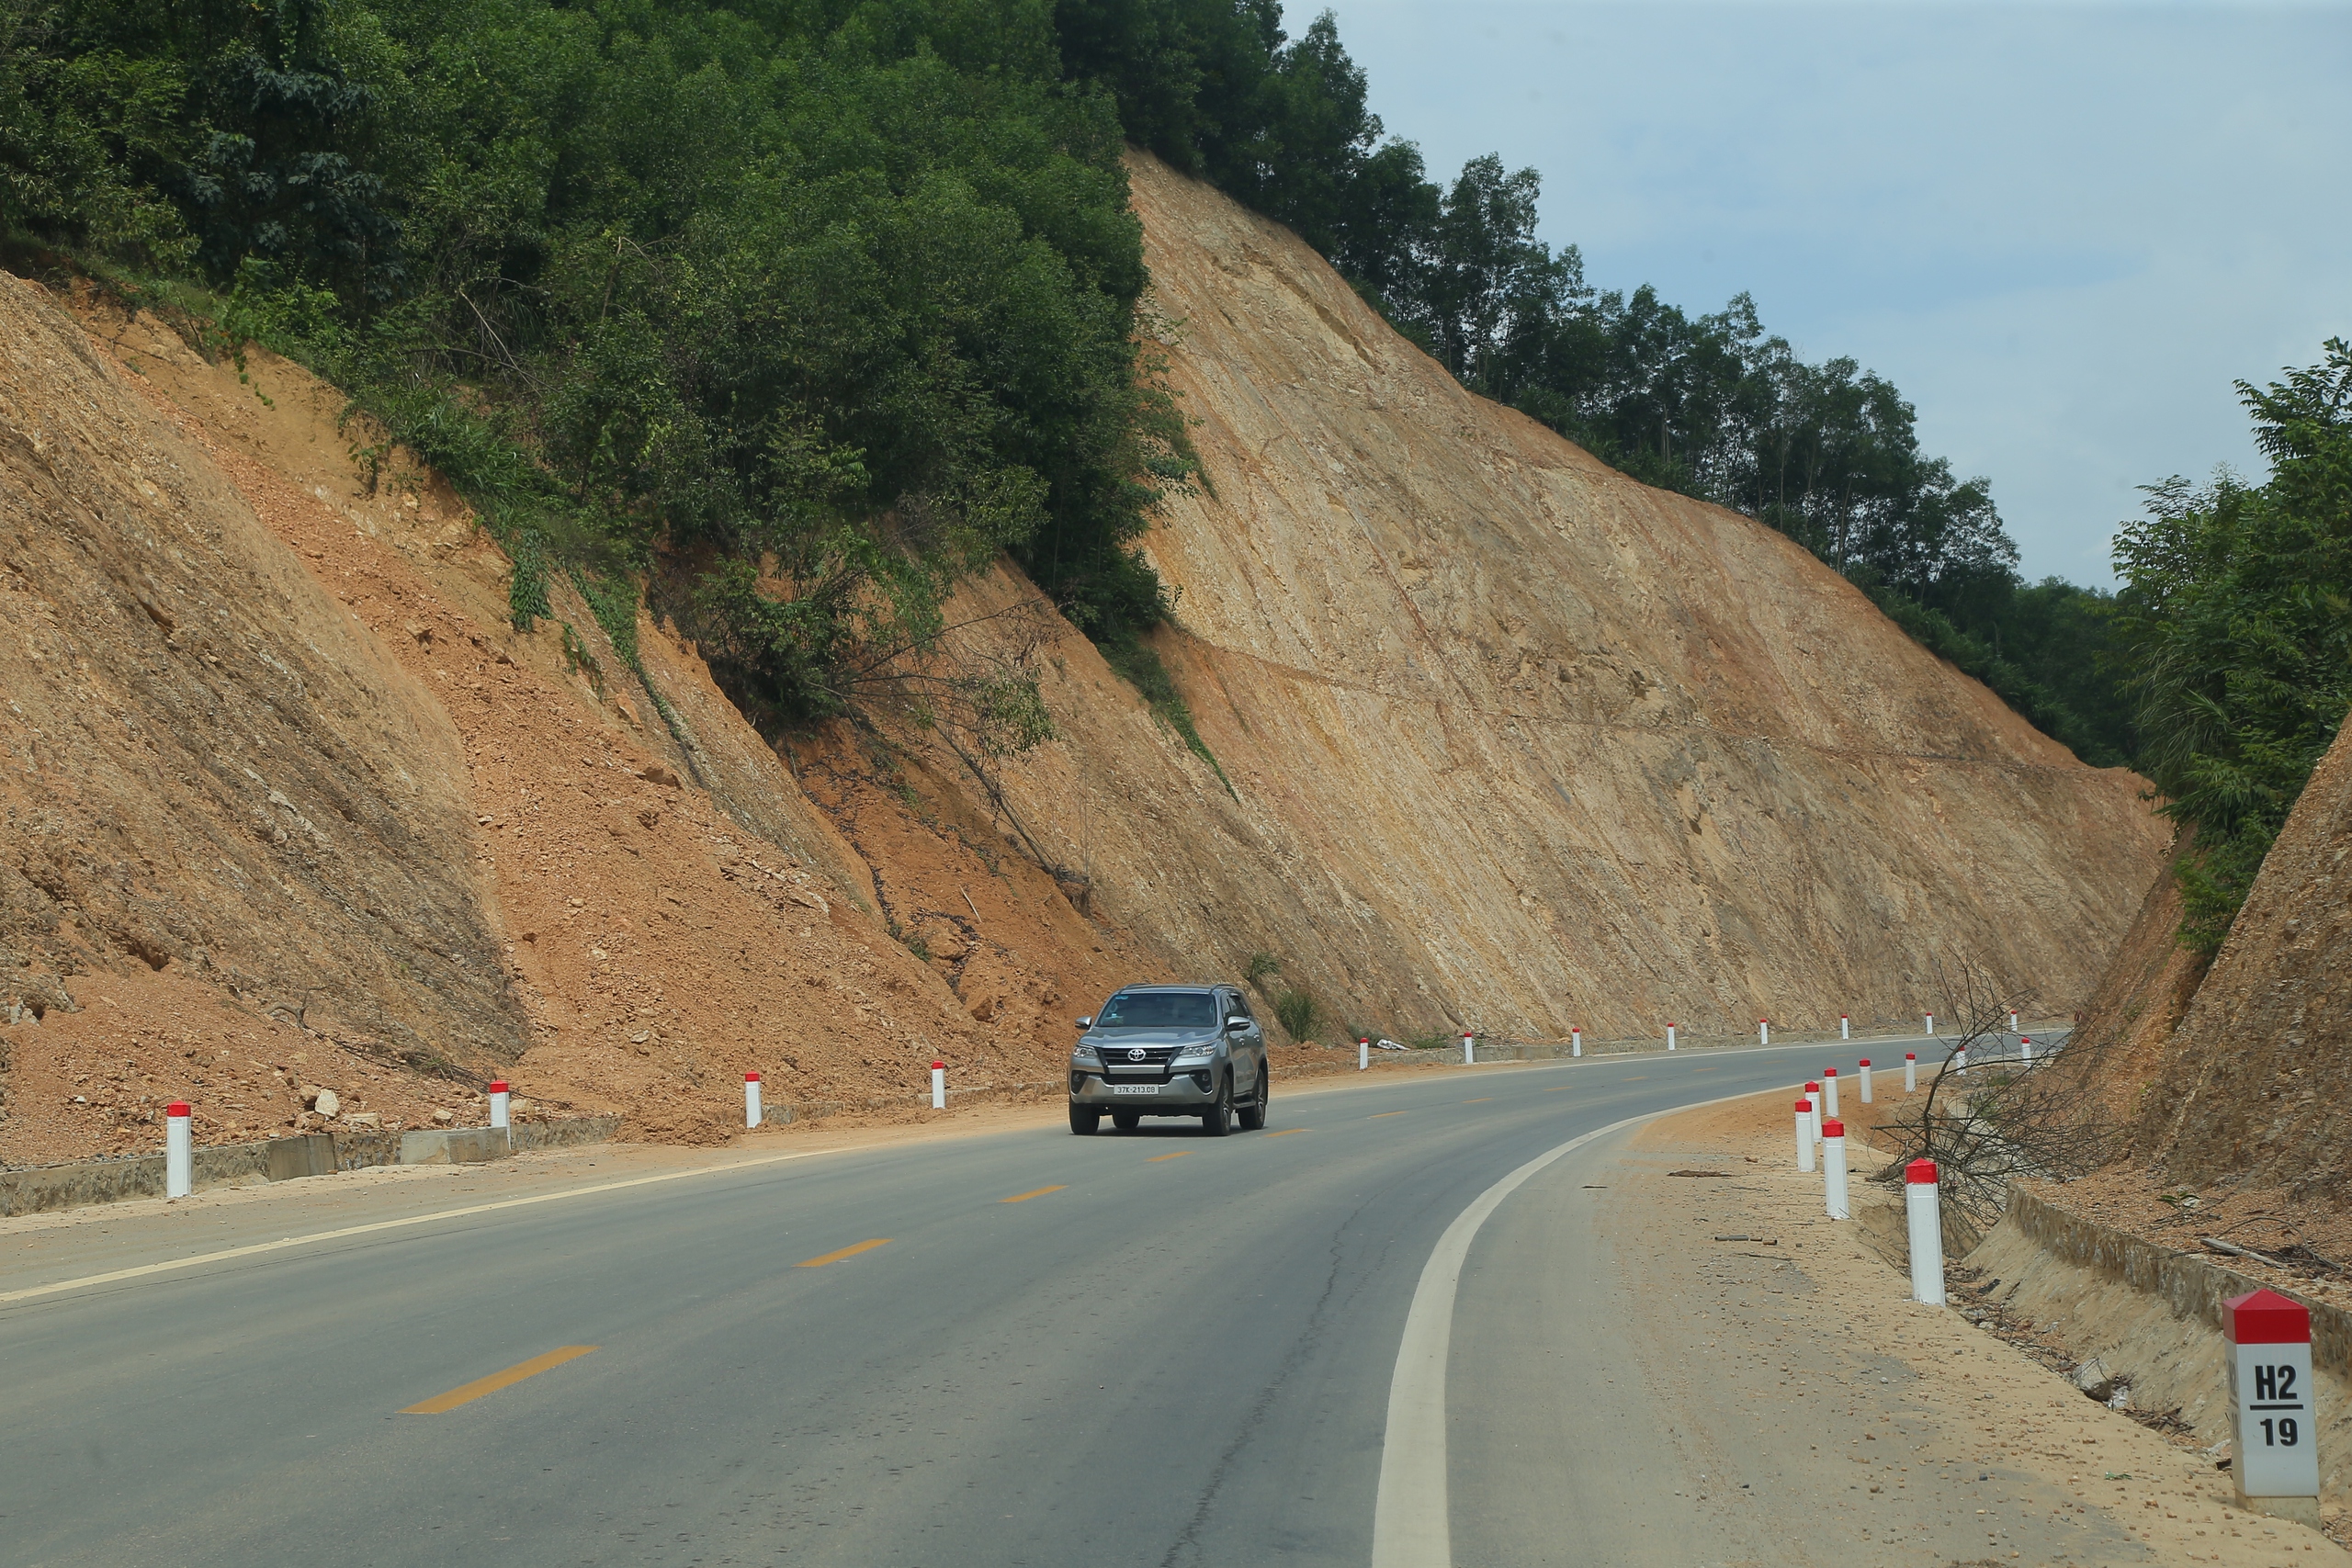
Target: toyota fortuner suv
point(1169, 1051)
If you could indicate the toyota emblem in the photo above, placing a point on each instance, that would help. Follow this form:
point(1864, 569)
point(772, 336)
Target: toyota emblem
point(1136, 1054)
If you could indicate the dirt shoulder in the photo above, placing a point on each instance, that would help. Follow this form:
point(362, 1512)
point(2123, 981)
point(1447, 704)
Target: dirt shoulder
point(1796, 1336)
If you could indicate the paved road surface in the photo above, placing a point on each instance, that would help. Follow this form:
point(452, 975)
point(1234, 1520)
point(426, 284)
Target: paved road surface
point(1152, 1348)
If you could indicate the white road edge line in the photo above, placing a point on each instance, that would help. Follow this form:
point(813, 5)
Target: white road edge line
point(87, 1282)
point(1411, 1527)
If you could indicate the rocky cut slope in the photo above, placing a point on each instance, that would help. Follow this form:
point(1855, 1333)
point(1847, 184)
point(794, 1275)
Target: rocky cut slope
point(1516, 743)
point(290, 803)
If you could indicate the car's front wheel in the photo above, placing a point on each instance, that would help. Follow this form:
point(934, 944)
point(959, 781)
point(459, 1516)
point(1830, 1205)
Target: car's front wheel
point(1083, 1121)
point(1217, 1120)
point(1253, 1115)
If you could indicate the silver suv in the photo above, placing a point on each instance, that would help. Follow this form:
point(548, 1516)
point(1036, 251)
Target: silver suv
point(1169, 1051)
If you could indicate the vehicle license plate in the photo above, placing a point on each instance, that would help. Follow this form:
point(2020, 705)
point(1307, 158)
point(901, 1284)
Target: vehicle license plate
point(1134, 1089)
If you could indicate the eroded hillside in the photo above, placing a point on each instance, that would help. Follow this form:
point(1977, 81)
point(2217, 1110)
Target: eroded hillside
point(1517, 743)
point(1503, 740)
point(290, 803)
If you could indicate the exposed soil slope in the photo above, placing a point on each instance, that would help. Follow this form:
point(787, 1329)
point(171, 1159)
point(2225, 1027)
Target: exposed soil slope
point(1518, 743)
point(290, 803)
point(2245, 1081)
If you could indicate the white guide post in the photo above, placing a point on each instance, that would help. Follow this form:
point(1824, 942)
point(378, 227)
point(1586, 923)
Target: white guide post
point(751, 1100)
point(1845, 1027)
point(179, 1150)
point(2013, 1020)
point(1812, 1093)
point(1833, 1170)
point(1866, 1080)
point(1469, 1050)
point(1764, 1032)
point(1575, 1041)
point(498, 1096)
point(1804, 1134)
point(1960, 1061)
point(2272, 1412)
point(1910, 1072)
point(1669, 1037)
point(1363, 1054)
point(939, 1086)
point(2025, 1049)
point(1829, 1093)
point(1927, 1232)
point(1931, 1026)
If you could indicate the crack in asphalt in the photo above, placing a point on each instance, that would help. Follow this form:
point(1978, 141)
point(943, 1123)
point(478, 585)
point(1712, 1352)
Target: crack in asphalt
point(1186, 1547)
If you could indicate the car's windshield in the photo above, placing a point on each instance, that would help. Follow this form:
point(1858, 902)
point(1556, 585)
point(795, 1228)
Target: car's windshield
point(1158, 1010)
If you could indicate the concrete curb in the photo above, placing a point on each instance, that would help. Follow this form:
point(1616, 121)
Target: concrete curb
point(2193, 1286)
point(36, 1190)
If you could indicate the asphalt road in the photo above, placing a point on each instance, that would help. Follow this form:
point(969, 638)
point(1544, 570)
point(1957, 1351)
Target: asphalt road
point(1150, 1348)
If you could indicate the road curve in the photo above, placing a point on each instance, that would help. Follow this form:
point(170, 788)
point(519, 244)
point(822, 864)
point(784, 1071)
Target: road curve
point(1024, 1348)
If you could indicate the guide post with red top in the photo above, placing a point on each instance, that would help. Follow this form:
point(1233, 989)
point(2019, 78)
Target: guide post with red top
point(498, 1103)
point(2013, 1020)
point(1575, 1041)
point(2025, 1049)
point(1764, 1032)
point(1833, 1170)
point(1829, 1092)
point(1910, 1072)
point(939, 1086)
point(1812, 1093)
point(1866, 1080)
point(1804, 1134)
point(751, 1100)
point(1927, 1226)
point(1669, 1037)
point(1363, 1054)
point(1469, 1050)
point(2272, 1412)
point(179, 1150)
point(1845, 1027)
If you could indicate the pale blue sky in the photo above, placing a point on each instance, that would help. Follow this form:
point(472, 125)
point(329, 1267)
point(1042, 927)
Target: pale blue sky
point(2062, 229)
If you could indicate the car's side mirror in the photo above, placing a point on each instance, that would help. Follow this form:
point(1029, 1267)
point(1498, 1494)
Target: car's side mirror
point(1235, 1025)
point(1087, 1022)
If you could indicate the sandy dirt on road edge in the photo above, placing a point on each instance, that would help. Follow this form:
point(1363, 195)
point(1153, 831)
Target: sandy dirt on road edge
point(2069, 1479)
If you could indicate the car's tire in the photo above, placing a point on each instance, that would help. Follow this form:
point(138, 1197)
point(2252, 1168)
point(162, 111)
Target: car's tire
point(1126, 1121)
point(1253, 1115)
point(1217, 1120)
point(1083, 1121)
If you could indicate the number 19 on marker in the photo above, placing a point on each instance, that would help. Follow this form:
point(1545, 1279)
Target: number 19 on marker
point(2270, 1397)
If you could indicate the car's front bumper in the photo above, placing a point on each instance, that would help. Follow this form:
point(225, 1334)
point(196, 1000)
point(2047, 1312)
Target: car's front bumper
point(1183, 1092)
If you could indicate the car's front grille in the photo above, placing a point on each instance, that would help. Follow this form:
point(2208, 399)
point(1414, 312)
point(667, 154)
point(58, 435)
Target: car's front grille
point(1126, 1061)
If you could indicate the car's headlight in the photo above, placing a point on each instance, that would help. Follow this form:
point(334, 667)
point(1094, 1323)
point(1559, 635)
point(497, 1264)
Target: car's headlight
point(1199, 1050)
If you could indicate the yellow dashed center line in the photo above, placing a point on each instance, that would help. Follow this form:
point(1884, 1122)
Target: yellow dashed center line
point(844, 1252)
point(1040, 1192)
point(1635, 1078)
point(1287, 1132)
point(1378, 1114)
point(496, 1381)
point(1179, 1154)
point(1560, 1089)
point(1482, 1100)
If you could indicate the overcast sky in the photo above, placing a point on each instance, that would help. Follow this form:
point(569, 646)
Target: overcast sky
point(2063, 229)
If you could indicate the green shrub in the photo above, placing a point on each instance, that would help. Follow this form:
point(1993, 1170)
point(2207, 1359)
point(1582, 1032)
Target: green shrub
point(1299, 1014)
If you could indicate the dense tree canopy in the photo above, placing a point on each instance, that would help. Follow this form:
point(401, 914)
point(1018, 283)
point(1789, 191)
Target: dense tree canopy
point(2235, 621)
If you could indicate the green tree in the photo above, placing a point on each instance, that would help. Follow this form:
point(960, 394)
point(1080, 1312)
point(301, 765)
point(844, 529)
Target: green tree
point(2236, 623)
